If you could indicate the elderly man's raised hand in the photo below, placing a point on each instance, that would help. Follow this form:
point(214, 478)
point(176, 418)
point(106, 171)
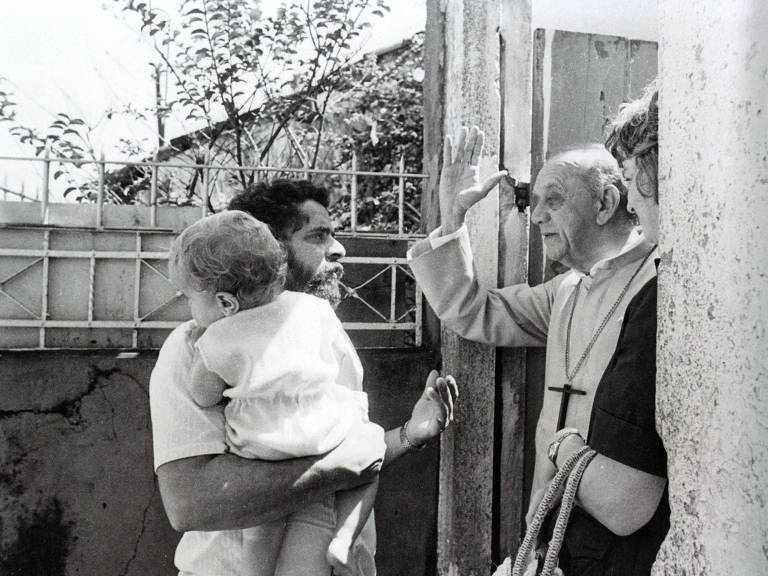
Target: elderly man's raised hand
point(434, 409)
point(460, 186)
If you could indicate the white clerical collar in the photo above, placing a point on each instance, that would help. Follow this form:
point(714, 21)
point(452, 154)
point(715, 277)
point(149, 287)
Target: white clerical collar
point(634, 240)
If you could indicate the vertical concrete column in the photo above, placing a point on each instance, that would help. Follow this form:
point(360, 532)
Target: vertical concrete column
point(712, 401)
point(467, 33)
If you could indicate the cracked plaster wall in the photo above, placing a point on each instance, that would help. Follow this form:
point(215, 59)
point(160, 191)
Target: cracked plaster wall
point(712, 395)
point(78, 494)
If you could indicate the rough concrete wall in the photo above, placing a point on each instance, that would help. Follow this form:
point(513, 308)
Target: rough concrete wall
point(471, 96)
point(712, 359)
point(77, 491)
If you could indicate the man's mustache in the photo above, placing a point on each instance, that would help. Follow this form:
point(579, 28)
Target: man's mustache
point(330, 273)
point(330, 269)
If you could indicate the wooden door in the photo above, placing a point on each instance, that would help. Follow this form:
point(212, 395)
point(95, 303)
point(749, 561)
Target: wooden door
point(579, 80)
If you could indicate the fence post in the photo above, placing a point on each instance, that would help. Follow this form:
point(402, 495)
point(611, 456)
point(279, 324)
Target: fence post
point(153, 191)
point(353, 196)
point(419, 330)
point(44, 291)
point(100, 195)
point(401, 196)
point(393, 293)
point(206, 176)
point(46, 184)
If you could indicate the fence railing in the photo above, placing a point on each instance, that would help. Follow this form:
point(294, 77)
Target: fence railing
point(95, 276)
point(207, 168)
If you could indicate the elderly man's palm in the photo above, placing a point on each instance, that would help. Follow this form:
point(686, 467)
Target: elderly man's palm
point(460, 186)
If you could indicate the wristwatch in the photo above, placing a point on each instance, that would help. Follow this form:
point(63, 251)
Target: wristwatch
point(554, 446)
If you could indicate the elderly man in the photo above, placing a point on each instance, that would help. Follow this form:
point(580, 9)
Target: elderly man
point(580, 208)
point(210, 493)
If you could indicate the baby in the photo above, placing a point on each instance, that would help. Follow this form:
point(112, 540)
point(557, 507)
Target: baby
point(289, 372)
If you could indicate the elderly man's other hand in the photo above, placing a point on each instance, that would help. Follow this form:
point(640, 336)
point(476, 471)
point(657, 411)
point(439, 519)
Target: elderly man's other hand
point(460, 186)
point(434, 409)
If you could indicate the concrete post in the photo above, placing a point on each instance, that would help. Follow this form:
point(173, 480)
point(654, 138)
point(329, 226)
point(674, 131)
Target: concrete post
point(712, 401)
point(469, 70)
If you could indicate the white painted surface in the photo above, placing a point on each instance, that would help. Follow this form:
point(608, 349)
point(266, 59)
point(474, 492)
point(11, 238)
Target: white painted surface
point(712, 376)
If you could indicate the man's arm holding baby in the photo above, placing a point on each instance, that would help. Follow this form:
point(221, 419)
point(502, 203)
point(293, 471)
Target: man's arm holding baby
point(225, 491)
point(204, 487)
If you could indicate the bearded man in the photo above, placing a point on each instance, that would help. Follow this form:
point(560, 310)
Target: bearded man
point(209, 493)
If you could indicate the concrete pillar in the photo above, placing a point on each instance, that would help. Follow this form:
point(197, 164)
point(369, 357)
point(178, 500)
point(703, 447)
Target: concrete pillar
point(712, 401)
point(467, 30)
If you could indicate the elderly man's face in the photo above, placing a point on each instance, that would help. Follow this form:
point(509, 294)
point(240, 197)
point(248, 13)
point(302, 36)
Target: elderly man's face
point(566, 214)
point(313, 255)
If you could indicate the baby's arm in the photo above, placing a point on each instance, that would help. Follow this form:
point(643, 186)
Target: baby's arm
point(206, 387)
point(353, 507)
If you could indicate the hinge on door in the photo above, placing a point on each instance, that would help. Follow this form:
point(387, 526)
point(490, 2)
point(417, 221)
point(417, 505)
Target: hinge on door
point(522, 192)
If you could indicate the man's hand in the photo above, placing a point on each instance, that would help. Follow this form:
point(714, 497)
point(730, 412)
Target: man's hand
point(434, 409)
point(460, 186)
point(357, 460)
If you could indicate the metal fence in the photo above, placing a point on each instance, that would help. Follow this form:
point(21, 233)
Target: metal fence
point(94, 275)
point(353, 174)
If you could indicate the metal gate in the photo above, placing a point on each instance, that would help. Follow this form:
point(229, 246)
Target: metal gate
point(95, 275)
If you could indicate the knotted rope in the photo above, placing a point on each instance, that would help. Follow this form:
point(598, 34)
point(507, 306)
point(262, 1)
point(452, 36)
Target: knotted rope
point(570, 474)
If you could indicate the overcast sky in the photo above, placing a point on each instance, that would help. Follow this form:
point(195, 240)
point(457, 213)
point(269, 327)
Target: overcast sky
point(76, 56)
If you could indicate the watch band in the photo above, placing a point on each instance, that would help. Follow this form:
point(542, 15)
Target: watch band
point(554, 446)
point(405, 441)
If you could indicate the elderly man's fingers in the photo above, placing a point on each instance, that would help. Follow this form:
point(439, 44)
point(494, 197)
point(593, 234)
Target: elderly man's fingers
point(469, 148)
point(448, 151)
point(471, 196)
point(477, 147)
point(491, 182)
point(461, 142)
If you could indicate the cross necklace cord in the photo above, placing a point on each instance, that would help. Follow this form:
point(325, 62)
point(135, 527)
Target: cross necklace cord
point(567, 389)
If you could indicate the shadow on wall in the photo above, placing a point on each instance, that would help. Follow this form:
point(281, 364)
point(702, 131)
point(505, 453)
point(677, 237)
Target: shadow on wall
point(42, 542)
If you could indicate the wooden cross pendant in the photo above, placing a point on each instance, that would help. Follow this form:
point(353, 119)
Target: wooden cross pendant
point(566, 390)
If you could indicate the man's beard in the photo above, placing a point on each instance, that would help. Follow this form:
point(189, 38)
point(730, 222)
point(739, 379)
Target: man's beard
point(325, 282)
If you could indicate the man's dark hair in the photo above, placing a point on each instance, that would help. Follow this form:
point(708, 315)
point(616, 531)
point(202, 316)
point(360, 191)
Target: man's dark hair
point(277, 203)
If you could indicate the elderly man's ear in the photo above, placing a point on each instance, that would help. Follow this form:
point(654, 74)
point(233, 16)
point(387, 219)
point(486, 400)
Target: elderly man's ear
point(608, 202)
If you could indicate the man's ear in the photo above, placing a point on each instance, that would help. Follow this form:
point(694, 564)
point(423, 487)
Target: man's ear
point(608, 202)
point(227, 303)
